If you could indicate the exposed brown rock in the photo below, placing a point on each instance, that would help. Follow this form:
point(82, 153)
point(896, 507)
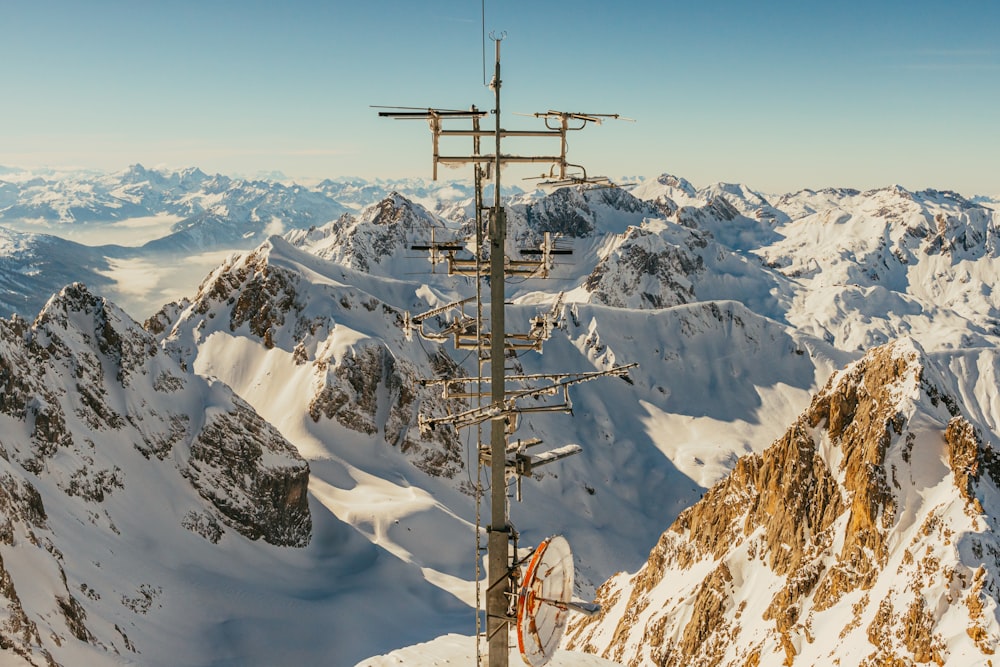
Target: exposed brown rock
point(711, 600)
point(783, 511)
point(862, 419)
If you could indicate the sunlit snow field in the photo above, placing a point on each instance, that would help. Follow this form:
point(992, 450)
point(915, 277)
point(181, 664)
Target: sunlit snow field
point(391, 565)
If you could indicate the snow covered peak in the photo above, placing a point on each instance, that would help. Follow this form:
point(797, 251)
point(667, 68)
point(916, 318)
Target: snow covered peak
point(674, 187)
point(377, 240)
point(576, 212)
point(394, 209)
point(748, 202)
point(342, 350)
point(858, 534)
point(112, 456)
point(81, 321)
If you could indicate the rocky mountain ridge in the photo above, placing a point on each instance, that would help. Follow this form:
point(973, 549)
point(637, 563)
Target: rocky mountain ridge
point(738, 307)
point(355, 364)
point(94, 416)
point(864, 535)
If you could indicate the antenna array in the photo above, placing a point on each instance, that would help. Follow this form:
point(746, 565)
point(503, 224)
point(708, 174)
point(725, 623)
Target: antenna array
point(499, 398)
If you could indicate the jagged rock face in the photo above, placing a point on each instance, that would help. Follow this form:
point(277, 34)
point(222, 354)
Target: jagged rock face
point(260, 500)
point(902, 229)
point(664, 263)
point(358, 376)
point(578, 212)
point(22, 513)
point(862, 536)
point(649, 270)
point(375, 240)
point(882, 264)
point(371, 391)
point(92, 415)
point(84, 370)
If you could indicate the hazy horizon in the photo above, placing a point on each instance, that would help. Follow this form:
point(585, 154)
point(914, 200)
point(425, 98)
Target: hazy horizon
point(782, 97)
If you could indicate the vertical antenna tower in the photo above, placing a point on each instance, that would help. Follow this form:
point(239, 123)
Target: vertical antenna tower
point(500, 406)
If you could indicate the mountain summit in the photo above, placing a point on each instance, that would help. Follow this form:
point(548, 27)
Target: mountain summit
point(111, 451)
point(864, 535)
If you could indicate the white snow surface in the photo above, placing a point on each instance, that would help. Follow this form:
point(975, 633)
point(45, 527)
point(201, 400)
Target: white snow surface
point(737, 306)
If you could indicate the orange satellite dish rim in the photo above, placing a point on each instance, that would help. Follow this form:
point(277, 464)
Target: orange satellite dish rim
point(541, 619)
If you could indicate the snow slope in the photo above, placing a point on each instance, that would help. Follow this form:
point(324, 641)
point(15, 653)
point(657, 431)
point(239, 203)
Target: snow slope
point(737, 306)
point(131, 486)
point(864, 535)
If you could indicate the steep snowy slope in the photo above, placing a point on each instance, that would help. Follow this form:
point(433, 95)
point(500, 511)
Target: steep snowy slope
point(312, 348)
point(341, 352)
point(864, 535)
point(630, 253)
point(120, 470)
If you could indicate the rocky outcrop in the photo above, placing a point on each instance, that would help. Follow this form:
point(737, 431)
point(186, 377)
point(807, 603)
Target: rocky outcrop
point(649, 270)
point(363, 374)
point(93, 416)
point(372, 391)
point(379, 236)
point(84, 372)
point(253, 476)
point(580, 212)
point(870, 518)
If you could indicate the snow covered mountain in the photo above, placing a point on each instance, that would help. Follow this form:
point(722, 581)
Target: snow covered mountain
point(207, 211)
point(112, 454)
point(148, 236)
point(377, 240)
point(863, 535)
point(887, 263)
point(210, 211)
point(739, 308)
point(35, 266)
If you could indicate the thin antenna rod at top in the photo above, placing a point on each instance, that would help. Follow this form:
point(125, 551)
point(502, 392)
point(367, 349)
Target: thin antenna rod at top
point(482, 14)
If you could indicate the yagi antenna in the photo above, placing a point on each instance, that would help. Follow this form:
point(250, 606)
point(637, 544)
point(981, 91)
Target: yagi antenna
point(384, 106)
point(427, 113)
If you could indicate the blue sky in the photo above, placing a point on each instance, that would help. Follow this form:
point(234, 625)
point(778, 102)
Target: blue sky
point(778, 95)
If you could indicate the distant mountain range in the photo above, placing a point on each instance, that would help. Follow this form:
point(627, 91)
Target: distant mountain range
point(801, 470)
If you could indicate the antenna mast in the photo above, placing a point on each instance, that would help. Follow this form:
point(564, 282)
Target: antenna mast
point(498, 591)
point(507, 460)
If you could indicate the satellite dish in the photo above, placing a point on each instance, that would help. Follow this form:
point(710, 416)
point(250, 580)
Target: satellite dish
point(544, 601)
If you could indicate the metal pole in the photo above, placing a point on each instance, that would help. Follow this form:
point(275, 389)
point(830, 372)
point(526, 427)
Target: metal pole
point(480, 232)
point(499, 531)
